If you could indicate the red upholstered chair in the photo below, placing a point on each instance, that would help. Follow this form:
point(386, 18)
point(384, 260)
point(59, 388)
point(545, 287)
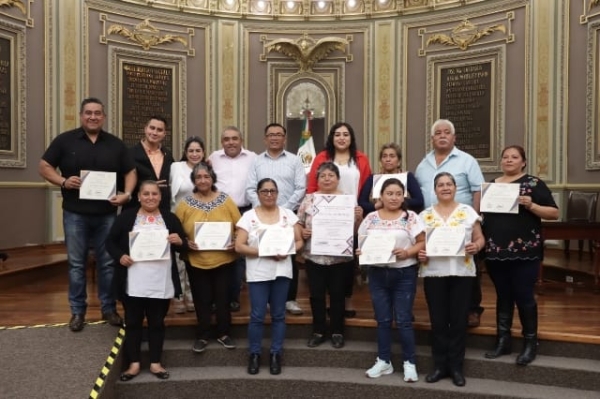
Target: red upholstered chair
point(581, 207)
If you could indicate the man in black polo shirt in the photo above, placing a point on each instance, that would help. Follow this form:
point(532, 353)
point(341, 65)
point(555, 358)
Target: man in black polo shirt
point(87, 222)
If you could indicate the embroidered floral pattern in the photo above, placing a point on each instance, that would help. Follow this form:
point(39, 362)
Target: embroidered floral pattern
point(515, 246)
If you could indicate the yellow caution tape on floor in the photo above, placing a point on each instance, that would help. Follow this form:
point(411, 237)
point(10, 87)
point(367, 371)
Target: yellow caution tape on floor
point(114, 352)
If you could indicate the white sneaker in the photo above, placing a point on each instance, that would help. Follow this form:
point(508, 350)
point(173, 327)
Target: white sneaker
point(410, 372)
point(381, 367)
point(293, 308)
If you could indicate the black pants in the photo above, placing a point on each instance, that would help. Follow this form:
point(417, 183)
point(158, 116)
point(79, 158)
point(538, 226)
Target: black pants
point(448, 301)
point(211, 286)
point(154, 310)
point(476, 295)
point(323, 279)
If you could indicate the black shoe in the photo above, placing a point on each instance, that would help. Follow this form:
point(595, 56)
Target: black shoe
point(234, 306)
point(315, 340)
point(337, 341)
point(254, 363)
point(127, 376)
point(161, 375)
point(458, 378)
point(3, 256)
point(200, 345)
point(349, 313)
point(226, 341)
point(435, 375)
point(77, 322)
point(275, 364)
point(113, 318)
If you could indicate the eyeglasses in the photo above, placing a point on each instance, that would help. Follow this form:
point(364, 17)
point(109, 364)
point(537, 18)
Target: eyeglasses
point(267, 192)
point(275, 134)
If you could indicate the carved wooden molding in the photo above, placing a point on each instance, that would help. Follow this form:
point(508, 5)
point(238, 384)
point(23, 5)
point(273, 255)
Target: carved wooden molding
point(306, 51)
point(467, 34)
point(146, 35)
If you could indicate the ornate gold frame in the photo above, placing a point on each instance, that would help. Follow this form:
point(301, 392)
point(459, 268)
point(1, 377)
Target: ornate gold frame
point(592, 136)
point(16, 157)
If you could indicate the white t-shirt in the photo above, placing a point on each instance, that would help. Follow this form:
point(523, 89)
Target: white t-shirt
point(265, 268)
point(349, 178)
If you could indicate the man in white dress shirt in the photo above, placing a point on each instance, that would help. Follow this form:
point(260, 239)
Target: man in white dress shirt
point(288, 171)
point(231, 165)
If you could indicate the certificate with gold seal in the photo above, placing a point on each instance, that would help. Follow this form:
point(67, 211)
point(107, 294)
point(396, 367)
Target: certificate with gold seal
point(212, 235)
point(97, 185)
point(445, 241)
point(276, 240)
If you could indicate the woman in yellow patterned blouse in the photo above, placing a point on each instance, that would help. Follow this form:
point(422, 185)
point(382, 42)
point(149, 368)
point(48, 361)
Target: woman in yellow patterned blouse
point(209, 270)
point(448, 281)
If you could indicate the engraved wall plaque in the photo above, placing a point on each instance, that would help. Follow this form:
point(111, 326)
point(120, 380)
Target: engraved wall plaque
point(146, 91)
point(465, 99)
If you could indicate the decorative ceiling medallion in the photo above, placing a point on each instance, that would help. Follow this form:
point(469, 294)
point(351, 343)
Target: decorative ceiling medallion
point(14, 3)
point(145, 34)
point(306, 51)
point(464, 35)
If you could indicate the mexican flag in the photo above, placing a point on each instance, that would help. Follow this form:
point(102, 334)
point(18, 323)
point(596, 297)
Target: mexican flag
point(306, 150)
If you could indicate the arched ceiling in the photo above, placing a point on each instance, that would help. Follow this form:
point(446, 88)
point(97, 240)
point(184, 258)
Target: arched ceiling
point(307, 10)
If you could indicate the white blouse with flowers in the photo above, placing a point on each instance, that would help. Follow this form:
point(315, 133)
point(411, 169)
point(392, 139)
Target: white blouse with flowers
point(463, 266)
point(265, 268)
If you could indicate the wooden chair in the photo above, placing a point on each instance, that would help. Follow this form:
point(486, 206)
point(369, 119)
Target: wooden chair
point(581, 207)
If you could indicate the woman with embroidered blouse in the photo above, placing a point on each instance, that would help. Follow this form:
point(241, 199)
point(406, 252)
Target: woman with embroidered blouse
point(145, 286)
point(448, 280)
point(393, 285)
point(268, 277)
point(209, 270)
point(514, 251)
point(182, 186)
point(326, 273)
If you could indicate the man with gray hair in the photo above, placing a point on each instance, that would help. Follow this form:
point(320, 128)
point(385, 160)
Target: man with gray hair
point(231, 165)
point(445, 157)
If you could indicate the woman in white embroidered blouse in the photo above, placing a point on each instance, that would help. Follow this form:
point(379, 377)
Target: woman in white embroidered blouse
point(268, 277)
point(448, 281)
point(393, 285)
point(182, 186)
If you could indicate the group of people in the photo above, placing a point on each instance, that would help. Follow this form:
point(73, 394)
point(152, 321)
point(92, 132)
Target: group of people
point(254, 192)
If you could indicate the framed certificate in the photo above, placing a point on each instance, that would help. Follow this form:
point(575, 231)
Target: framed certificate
point(333, 225)
point(378, 181)
point(445, 241)
point(376, 248)
point(149, 245)
point(97, 185)
point(212, 235)
point(500, 197)
point(276, 240)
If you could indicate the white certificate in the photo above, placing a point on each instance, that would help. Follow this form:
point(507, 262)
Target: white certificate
point(376, 249)
point(445, 241)
point(333, 225)
point(212, 235)
point(276, 240)
point(500, 197)
point(97, 185)
point(378, 181)
point(149, 245)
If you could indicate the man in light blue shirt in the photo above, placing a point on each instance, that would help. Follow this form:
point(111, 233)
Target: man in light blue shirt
point(280, 165)
point(288, 171)
point(445, 157)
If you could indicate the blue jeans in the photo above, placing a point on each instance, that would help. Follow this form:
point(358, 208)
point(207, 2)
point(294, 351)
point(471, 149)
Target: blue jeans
point(273, 292)
point(83, 232)
point(393, 294)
